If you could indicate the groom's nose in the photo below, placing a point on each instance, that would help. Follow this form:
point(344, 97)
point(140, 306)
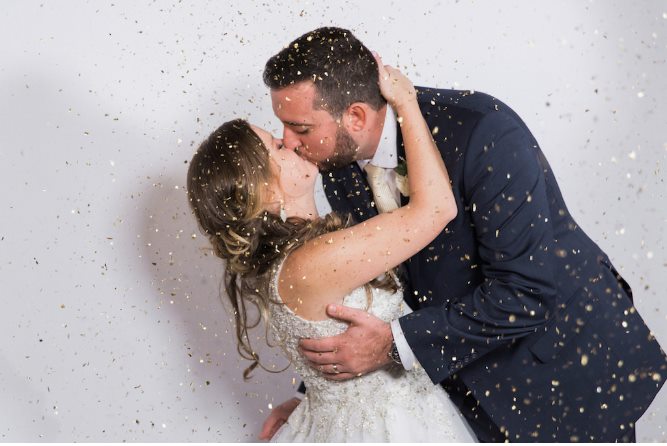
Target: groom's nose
point(290, 139)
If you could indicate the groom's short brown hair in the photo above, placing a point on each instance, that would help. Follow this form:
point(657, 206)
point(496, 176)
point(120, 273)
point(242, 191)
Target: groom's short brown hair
point(342, 69)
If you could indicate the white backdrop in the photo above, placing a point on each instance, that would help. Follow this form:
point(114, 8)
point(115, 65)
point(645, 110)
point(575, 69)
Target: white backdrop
point(111, 324)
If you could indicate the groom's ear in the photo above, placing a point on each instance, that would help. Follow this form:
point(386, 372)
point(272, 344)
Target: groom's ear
point(355, 118)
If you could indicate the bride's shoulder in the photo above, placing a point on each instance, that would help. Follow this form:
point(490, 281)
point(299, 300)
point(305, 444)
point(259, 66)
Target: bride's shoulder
point(305, 296)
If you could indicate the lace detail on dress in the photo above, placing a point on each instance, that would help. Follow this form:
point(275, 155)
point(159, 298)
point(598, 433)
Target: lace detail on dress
point(368, 408)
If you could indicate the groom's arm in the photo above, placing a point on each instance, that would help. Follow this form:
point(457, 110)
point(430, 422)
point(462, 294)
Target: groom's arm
point(408, 358)
point(505, 190)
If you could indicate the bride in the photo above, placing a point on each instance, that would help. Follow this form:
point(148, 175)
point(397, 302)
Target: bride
point(255, 201)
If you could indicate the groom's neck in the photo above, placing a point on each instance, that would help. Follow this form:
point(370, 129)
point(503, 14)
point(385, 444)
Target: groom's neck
point(375, 128)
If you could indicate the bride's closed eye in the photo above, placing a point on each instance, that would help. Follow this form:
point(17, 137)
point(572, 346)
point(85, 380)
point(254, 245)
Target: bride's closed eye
point(276, 145)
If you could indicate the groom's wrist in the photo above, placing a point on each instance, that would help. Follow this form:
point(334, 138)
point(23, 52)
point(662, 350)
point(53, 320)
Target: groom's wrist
point(393, 353)
point(408, 358)
point(387, 342)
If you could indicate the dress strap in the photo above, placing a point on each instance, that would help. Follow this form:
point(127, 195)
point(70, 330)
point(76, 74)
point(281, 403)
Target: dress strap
point(275, 274)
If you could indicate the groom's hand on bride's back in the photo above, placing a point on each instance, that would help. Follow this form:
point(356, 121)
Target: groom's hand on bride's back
point(361, 349)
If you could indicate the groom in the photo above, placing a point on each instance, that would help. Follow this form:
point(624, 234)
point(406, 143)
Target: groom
point(517, 312)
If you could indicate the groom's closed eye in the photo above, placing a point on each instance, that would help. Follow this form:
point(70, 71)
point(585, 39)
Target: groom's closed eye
point(298, 127)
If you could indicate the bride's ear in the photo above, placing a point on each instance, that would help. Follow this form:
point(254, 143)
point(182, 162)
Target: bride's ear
point(271, 196)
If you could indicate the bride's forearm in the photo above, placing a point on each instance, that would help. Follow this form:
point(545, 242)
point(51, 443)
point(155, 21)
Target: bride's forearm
point(427, 175)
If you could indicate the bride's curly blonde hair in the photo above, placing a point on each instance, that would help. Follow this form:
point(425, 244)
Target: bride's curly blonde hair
point(227, 185)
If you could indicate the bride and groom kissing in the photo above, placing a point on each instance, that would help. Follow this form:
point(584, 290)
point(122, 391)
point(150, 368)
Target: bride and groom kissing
point(477, 280)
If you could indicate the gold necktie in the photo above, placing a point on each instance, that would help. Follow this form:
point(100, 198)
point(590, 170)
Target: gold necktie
point(384, 199)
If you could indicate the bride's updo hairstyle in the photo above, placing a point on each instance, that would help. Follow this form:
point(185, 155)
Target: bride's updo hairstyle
point(227, 184)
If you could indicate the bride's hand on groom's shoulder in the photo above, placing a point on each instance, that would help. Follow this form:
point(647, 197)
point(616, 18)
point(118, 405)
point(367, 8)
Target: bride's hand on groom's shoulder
point(361, 349)
point(395, 87)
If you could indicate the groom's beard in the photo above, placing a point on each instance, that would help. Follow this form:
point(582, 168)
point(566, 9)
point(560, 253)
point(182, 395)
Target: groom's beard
point(345, 152)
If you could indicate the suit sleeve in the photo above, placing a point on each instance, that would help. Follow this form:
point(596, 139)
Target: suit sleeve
point(504, 190)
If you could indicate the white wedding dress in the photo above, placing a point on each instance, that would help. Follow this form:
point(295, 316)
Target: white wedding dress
point(388, 405)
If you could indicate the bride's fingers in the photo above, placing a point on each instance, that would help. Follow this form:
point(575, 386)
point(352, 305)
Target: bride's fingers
point(381, 67)
point(378, 59)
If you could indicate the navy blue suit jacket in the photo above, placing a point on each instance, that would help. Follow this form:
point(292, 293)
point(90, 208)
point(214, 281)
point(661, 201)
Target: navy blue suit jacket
point(517, 310)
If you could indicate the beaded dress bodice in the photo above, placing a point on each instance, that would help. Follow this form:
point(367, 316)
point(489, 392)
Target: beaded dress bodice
point(289, 328)
point(377, 406)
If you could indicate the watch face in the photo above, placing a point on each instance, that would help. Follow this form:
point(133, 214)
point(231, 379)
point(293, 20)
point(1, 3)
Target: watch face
point(393, 354)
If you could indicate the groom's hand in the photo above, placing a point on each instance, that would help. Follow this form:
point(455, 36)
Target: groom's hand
point(361, 349)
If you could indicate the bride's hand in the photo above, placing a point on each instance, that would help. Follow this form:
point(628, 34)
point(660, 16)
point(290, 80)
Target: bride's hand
point(394, 85)
point(277, 418)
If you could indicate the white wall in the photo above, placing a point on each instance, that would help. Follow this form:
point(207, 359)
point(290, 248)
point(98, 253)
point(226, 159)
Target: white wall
point(111, 325)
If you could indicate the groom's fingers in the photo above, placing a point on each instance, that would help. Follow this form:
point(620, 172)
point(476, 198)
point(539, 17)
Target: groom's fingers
point(321, 352)
point(319, 346)
point(318, 359)
point(343, 313)
point(324, 352)
point(340, 376)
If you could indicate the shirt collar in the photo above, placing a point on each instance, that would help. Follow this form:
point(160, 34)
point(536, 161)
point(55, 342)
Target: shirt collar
point(385, 155)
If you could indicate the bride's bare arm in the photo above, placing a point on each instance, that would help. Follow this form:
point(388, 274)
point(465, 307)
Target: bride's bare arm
point(327, 268)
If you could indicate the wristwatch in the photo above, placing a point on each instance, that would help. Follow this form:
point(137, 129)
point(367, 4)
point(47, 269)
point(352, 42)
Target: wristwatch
point(393, 353)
